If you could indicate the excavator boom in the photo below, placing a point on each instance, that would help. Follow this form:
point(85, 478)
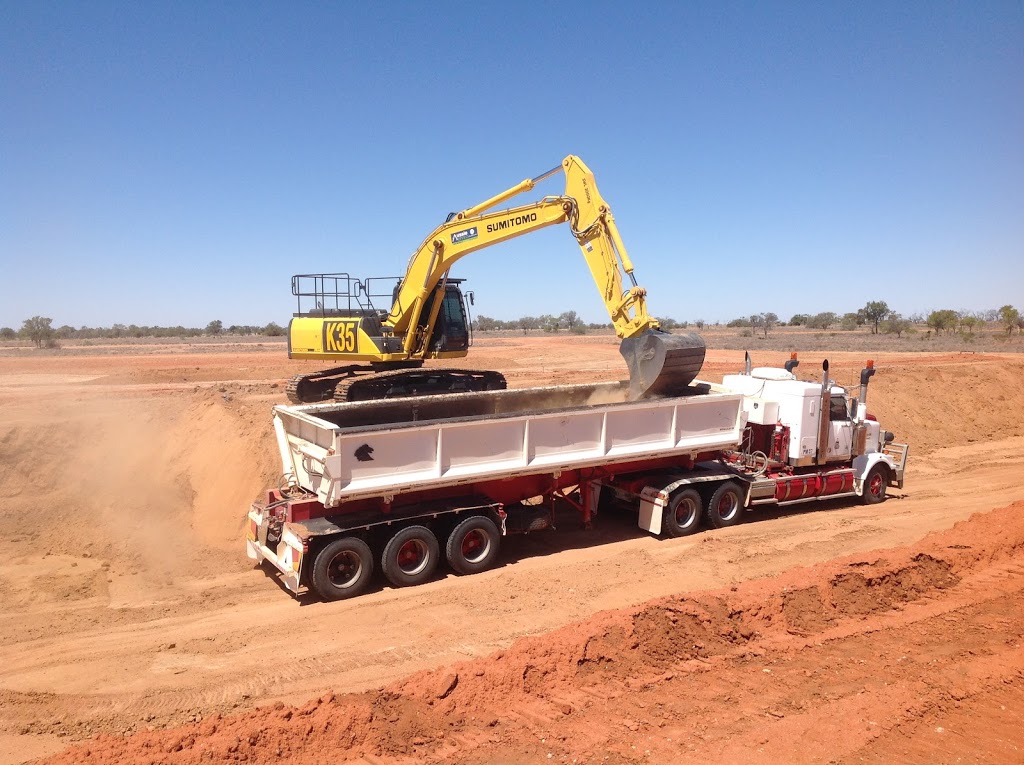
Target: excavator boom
point(659, 362)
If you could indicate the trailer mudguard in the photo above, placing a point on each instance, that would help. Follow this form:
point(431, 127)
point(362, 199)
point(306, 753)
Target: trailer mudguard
point(654, 497)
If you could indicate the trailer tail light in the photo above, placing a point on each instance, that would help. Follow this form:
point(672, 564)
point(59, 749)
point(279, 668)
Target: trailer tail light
point(871, 418)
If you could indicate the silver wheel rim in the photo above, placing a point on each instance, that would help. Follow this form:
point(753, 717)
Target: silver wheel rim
point(475, 545)
point(344, 569)
point(412, 557)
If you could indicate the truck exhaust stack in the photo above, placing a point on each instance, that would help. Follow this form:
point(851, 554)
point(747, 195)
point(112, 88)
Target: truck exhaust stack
point(661, 364)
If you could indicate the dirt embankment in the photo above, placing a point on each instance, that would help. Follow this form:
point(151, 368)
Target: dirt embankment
point(912, 653)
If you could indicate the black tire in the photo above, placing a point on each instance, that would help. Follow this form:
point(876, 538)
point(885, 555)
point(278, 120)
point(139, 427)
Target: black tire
point(410, 556)
point(342, 569)
point(473, 545)
point(682, 514)
point(875, 482)
point(725, 508)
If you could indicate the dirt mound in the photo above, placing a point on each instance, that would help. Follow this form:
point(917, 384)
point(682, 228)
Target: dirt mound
point(774, 666)
point(141, 483)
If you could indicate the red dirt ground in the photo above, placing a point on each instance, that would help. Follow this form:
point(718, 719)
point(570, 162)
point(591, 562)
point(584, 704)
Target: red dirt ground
point(128, 609)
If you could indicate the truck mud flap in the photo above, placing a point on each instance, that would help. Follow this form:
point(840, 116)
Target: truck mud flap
point(898, 454)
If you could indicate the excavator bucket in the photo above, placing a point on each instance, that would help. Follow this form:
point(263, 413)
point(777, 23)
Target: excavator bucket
point(661, 364)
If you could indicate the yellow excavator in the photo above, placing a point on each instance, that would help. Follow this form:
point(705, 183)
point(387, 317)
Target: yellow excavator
point(383, 350)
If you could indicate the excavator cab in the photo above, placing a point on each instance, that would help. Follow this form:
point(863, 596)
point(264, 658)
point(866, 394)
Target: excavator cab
point(451, 331)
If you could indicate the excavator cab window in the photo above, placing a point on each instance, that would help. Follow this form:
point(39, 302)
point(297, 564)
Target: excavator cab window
point(451, 332)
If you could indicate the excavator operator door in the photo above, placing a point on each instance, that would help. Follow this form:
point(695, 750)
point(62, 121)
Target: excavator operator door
point(451, 332)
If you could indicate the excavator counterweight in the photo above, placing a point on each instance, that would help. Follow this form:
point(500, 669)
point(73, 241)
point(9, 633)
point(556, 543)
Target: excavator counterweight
point(661, 364)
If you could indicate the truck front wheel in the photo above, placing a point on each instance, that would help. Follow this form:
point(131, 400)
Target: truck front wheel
point(682, 515)
point(875, 482)
point(473, 545)
point(342, 569)
point(725, 508)
point(410, 556)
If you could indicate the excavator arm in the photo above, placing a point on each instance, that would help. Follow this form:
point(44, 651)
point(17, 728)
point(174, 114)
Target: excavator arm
point(658, 362)
point(591, 222)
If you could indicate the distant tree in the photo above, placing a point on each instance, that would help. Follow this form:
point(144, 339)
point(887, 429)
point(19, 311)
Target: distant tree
point(799, 319)
point(874, 312)
point(485, 323)
point(969, 321)
point(942, 320)
point(570, 320)
point(6, 333)
point(668, 323)
point(989, 314)
point(741, 322)
point(1010, 317)
point(526, 323)
point(273, 330)
point(822, 320)
point(699, 323)
point(916, 318)
point(548, 322)
point(215, 327)
point(768, 322)
point(39, 330)
point(850, 321)
point(895, 325)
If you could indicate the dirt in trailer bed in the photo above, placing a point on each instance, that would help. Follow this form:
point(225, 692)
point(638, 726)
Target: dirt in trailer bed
point(128, 610)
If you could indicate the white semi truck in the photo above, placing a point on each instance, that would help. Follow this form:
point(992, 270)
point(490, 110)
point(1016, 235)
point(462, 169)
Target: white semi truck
point(406, 483)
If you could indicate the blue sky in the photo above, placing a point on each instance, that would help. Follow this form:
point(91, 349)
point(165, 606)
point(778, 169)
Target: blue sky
point(174, 163)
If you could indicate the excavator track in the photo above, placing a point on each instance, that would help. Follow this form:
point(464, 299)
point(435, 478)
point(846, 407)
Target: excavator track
point(417, 382)
point(364, 383)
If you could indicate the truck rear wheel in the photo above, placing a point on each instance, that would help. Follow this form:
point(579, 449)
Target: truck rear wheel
point(682, 514)
point(342, 569)
point(725, 508)
point(410, 556)
point(473, 545)
point(875, 482)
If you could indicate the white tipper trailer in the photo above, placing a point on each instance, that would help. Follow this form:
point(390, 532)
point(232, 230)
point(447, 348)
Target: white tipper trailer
point(406, 483)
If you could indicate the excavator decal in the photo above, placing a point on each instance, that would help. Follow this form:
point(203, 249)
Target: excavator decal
point(519, 220)
point(341, 336)
point(462, 236)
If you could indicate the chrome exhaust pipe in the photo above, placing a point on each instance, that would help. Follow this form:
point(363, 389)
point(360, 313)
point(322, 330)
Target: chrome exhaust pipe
point(824, 416)
point(865, 374)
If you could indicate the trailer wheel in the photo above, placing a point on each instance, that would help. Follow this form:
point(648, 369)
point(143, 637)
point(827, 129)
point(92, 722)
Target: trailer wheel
point(342, 569)
point(473, 545)
point(682, 515)
point(410, 556)
point(725, 508)
point(875, 482)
